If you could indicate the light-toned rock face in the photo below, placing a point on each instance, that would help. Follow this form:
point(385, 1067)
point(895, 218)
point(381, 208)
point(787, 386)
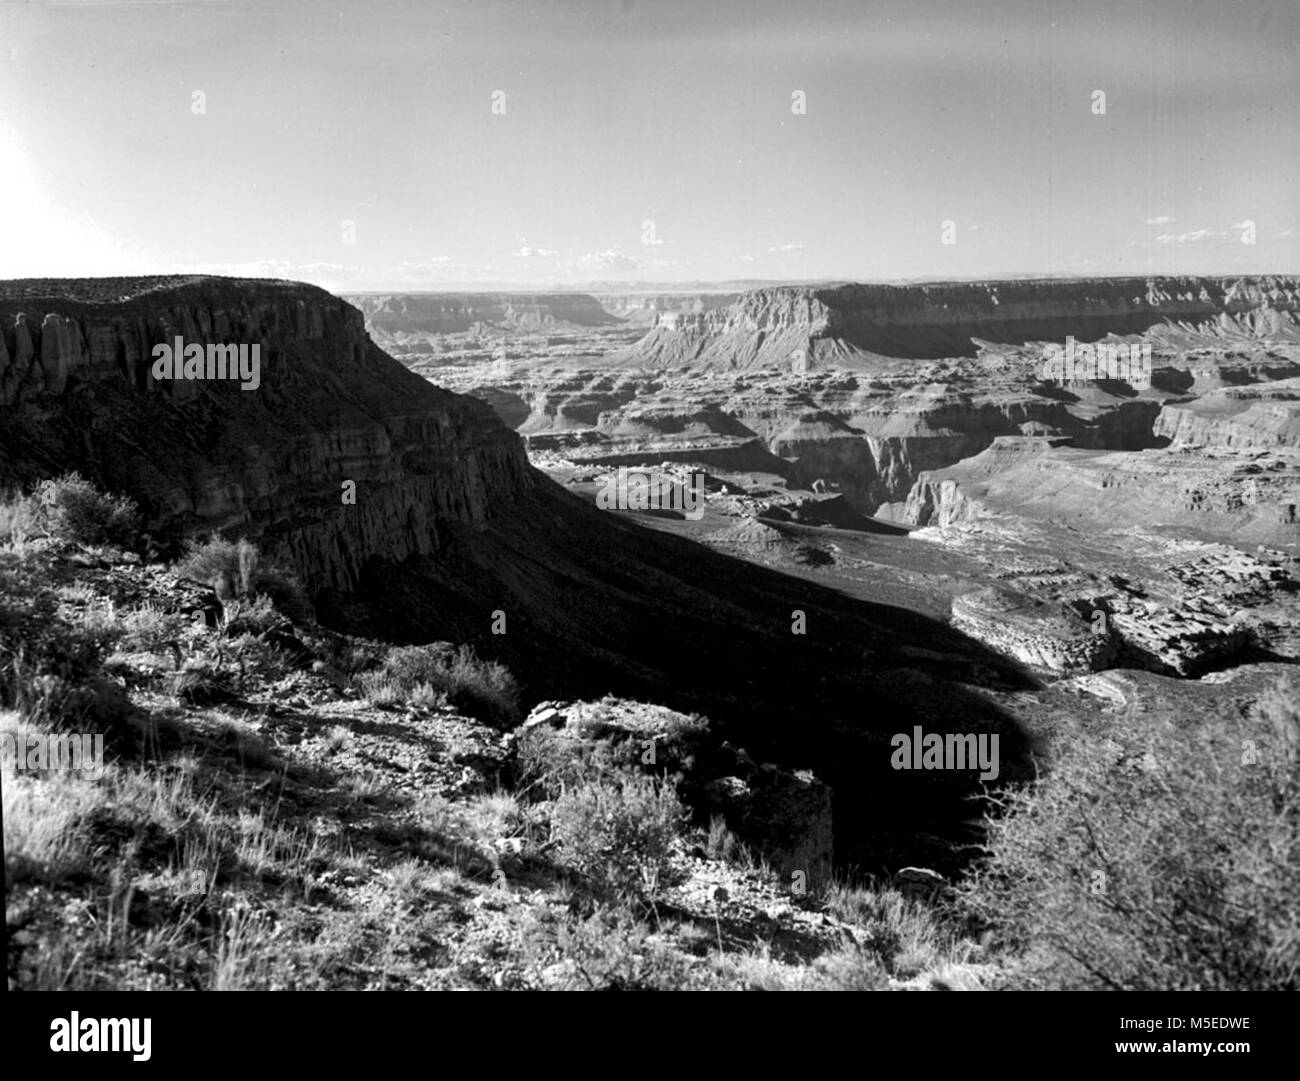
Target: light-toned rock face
point(77, 392)
point(1036, 633)
point(1260, 415)
point(794, 328)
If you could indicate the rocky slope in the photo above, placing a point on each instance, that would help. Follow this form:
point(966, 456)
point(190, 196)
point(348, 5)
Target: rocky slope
point(291, 829)
point(77, 392)
point(795, 329)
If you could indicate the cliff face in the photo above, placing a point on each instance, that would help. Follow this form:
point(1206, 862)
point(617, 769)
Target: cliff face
point(1264, 415)
point(400, 314)
point(645, 309)
point(802, 329)
point(77, 392)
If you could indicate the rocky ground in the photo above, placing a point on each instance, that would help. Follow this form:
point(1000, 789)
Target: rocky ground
point(268, 819)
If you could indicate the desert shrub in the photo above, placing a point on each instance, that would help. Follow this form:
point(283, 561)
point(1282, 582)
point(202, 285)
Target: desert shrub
point(608, 950)
point(419, 674)
point(236, 569)
point(426, 696)
point(410, 665)
point(94, 703)
point(255, 615)
point(71, 509)
point(379, 690)
point(200, 683)
point(36, 640)
point(721, 844)
point(227, 566)
point(604, 739)
point(42, 814)
point(906, 935)
point(19, 519)
point(847, 969)
point(619, 833)
point(1164, 858)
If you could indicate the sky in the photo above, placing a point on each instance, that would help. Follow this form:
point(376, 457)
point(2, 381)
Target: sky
point(408, 145)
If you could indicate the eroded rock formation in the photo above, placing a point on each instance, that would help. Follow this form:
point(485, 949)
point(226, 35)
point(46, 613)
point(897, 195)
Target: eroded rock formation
point(77, 392)
point(802, 329)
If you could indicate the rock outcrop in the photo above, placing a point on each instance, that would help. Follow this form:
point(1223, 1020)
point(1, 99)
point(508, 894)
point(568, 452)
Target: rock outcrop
point(77, 392)
point(1035, 632)
point(784, 814)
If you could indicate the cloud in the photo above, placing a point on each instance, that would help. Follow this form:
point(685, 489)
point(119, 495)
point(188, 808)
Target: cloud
point(434, 266)
point(746, 258)
point(604, 261)
point(1163, 219)
point(1194, 237)
point(1285, 234)
point(535, 253)
point(786, 248)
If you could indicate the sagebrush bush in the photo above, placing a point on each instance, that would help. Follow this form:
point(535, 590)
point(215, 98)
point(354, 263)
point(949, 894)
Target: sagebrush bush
point(71, 509)
point(424, 675)
point(602, 739)
point(609, 950)
point(619, 833)
point(36, 639)
point(19, 519)
point(1165, 858)
point(236, 569)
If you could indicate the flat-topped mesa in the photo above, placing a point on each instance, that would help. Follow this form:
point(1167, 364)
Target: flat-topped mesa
point(453, 313)
point(77, 391)
point(799, 328)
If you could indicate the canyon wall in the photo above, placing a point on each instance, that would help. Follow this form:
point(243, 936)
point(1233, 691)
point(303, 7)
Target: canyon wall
point(77, 392)
point(400, 314)
point(1263, 415)
point(645, 309)
point(796, 328)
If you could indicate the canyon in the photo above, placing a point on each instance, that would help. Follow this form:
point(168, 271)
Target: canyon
point(929, 416)
point(904, 523)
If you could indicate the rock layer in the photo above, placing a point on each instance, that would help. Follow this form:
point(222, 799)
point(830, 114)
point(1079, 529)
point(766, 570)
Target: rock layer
point(801, 329)
point(77, 392)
